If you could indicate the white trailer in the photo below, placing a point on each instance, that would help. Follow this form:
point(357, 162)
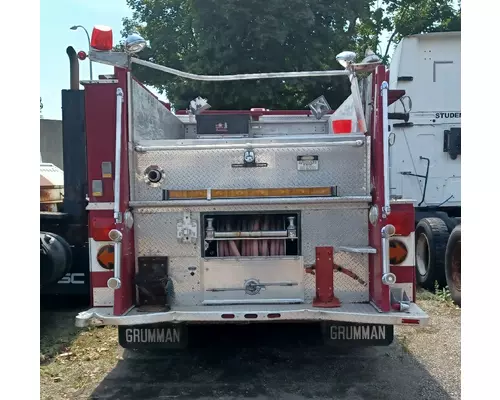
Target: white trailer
point(425, 148)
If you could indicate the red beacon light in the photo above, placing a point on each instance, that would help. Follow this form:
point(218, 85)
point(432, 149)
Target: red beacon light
point(102, 38)
point(82, 55)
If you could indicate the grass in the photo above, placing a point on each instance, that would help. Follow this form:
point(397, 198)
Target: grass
point(74, 361)
point(440, 294)
point(404, 342)
point(444, 316)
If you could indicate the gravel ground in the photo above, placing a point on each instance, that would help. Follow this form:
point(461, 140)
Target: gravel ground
point(421, 364)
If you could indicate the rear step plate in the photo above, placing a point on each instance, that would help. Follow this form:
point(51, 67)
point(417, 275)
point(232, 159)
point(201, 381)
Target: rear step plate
point(360, 313)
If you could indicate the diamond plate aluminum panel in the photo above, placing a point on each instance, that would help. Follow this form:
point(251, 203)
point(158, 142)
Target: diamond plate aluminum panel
point(256, 207)
point(185, 274)
point(339, 225)
point(345, 167)
point(103, 297)
point(156, 234)
point(150, 118)
point(230, 276)
point(345, 288)
point(333, 227)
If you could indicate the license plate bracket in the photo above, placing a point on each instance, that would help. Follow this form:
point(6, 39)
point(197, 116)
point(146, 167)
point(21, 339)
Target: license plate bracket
point(354, 334)
point(167, 336)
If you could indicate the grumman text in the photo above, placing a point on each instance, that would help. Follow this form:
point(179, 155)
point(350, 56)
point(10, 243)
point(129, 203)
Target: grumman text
point(153, 335)
point(357, 332)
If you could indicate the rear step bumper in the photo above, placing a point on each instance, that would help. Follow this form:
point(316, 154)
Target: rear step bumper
point(356, 313)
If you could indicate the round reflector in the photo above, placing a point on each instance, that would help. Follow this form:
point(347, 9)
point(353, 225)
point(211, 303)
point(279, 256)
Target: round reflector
point(106, 256)
point(102, 38)
point(397, 251)
point(81, 55)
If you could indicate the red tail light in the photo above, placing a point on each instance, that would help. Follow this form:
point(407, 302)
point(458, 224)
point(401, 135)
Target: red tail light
point(102, 38)
point(100, 227)
point(410, 321)
point(403, 219)
point(82, 55)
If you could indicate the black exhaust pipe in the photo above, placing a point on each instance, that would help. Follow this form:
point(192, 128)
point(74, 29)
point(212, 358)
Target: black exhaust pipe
point(74, 72)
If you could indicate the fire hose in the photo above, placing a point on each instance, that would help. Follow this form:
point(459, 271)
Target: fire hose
point(247, 247)
point(339, 268)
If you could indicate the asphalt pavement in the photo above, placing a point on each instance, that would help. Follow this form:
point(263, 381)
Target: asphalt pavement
point(282, 363)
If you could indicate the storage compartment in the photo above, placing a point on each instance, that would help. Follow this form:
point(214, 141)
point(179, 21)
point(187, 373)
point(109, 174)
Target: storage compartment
point(251, 235)
point(222, 124)
point(253, 280)
point(242, 164)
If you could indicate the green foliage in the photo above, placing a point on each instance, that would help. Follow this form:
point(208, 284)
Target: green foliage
point(235, 36)
point(443, 294)
point(406, 17)
point(231, 36)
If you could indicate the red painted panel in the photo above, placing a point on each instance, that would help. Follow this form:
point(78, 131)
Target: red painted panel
point(100, 223)
point(100, 116)
point(402, 216)
point(379, 293)
point(100, 104)
point(100, 279)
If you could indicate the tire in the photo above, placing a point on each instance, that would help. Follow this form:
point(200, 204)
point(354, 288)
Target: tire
point(452, 265)
point(431, 237)
point(55, 258)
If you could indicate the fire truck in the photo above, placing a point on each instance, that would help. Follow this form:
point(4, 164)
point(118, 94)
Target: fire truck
point(425, 148)
point(244, 216)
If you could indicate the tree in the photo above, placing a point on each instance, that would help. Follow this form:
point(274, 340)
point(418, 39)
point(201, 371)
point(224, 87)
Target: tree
point(235, 36)
point(406, 17)
point(232, 36)
point(41, 107)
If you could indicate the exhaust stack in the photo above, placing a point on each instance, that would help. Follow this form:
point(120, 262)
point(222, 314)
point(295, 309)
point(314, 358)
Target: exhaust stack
point(74, 73)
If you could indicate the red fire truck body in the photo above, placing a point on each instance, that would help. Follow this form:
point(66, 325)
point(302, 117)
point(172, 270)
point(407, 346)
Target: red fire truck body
point(246, 216)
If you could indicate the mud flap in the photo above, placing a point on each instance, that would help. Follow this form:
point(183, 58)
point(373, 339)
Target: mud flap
point(356, 335)
point(165, 336)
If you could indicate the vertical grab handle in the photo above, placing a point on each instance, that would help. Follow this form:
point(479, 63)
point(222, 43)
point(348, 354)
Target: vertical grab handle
point(388, 278)
point(384, 91)
point(118, 154)
point(115, 282)
point(115, 235)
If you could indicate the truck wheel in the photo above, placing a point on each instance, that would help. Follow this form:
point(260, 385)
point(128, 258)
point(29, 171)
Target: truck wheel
point(55, 258)
point(431, 237)
point(452, 265)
